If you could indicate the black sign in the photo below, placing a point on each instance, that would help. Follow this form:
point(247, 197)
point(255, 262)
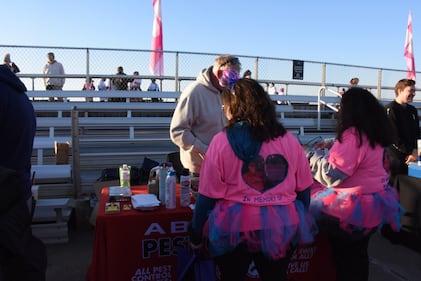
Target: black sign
point(298, 69)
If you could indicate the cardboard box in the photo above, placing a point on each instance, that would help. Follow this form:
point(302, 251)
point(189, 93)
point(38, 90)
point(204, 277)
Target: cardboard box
point(62, 152)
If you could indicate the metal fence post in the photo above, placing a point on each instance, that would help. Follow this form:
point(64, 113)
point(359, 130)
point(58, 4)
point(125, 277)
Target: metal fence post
point(177, 83)
point(321, 93)
point(379, 83)
point(256, 68)
point(75, 152)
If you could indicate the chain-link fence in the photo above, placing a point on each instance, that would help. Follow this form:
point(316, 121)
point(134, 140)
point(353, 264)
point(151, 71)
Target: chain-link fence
point(181, 68)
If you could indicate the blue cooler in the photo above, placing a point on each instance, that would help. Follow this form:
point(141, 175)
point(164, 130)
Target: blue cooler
point(414, 170)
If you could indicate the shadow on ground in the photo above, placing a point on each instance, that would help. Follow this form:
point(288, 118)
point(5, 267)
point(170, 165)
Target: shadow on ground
point(70, 261)
point(388, 261)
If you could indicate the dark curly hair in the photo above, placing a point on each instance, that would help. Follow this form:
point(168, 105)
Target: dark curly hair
point(247, 101)
point(360, 109)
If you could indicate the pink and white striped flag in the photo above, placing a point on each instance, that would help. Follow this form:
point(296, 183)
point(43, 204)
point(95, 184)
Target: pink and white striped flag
point(409, 51)
point(156, 66)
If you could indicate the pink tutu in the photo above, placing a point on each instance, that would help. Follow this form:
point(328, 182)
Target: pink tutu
point(267, 229)
point(356, 211)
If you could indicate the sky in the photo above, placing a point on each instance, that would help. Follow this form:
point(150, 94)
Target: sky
point(359, 32)
point(362, 32)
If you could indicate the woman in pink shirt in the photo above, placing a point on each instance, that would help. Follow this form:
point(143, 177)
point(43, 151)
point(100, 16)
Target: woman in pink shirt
point(252, 175)
point(354, 198)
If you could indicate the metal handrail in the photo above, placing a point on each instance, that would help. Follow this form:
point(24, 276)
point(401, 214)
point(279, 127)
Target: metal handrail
point(320, 101)
point(180, 66)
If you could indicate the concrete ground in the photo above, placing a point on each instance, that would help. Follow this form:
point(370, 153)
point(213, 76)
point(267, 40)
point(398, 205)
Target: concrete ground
point(388, 262)
point(70, 261)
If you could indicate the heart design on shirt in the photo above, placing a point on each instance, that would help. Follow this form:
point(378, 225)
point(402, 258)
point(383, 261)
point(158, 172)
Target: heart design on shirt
point(264, 174)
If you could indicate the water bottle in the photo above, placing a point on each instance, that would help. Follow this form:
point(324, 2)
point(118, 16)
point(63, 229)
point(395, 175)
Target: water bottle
point(162, 177)
point(124, 175)
point(170, 190)
point(185, 188)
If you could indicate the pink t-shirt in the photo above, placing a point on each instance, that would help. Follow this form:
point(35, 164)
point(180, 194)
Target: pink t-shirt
point(363, 165)
point(272, 179)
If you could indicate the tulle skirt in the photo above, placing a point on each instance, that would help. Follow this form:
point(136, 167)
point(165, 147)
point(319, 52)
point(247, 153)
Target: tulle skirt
point(267, 229)
point(357, 211)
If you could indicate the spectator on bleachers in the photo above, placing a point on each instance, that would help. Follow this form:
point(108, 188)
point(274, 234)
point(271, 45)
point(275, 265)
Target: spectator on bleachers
point(153, 86)
point(91, 86)
point(282, 93)
point(272, 89)
point(135, 83)
point(101, 85)
point(247, 74)
point(354, 82)
point(7, 61)
point(109, 84)
point(53, 67)
point(119, 84)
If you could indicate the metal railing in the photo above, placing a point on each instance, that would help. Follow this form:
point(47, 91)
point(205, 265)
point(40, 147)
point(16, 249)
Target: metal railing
point(83, 64)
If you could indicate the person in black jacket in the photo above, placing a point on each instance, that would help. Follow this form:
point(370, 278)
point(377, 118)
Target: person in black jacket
point(405, 120)
point(17, 128)
point(22, 256)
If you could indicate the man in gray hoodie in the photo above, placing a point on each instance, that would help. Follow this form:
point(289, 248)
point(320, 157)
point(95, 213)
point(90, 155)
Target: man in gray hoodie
point(198, 115)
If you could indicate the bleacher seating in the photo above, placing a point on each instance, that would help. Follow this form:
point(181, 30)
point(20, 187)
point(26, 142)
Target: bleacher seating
point(110, 133)
point(50, 220)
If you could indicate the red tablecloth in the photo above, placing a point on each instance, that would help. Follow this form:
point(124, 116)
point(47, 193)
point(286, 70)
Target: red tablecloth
point(137, 245)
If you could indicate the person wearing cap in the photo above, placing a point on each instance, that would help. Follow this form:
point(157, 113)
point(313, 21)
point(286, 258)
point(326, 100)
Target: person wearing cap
point(7, 61)
point(198, 115)
point(53, 67)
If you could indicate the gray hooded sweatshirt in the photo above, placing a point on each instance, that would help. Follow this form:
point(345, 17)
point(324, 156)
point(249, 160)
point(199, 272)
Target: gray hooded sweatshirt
point(198, 117)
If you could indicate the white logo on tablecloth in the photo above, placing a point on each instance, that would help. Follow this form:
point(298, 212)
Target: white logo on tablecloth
point(156, 273)
point(252, 272)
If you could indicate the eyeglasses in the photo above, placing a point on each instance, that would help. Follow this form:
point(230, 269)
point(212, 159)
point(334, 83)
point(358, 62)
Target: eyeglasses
point(231, 61)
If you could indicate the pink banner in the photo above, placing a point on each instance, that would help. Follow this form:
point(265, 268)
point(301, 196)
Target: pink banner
point(409, 51)
point(157, 56)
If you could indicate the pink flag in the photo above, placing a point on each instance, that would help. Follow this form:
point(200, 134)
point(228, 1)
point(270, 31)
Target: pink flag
point(157, 58)
point(409, 51)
